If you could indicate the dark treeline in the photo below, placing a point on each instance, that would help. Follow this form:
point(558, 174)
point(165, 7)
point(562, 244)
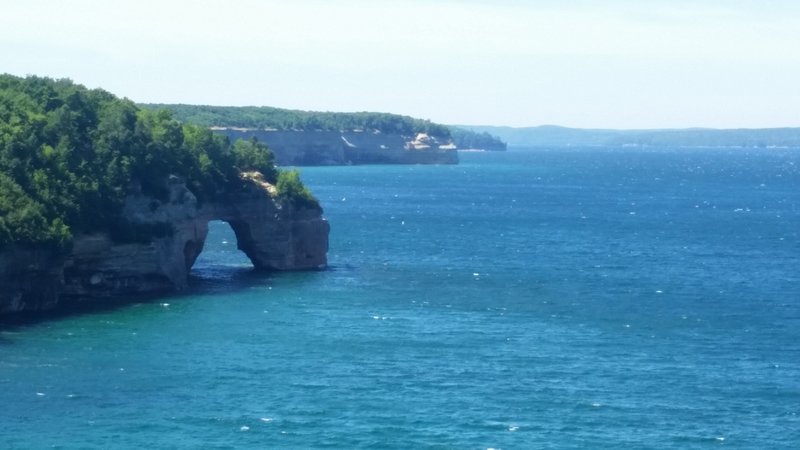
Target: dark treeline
point(264, 117)
point(69, 156)
point(468, 139)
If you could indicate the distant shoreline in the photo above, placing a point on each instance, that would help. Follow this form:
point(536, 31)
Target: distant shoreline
point(556, 136)
point(649, 147)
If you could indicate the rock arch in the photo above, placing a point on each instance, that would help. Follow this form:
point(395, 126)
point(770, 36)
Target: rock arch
point(273, 234)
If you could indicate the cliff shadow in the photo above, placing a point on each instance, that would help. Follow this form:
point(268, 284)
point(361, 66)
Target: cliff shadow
point(220, 267)
point(236, 279)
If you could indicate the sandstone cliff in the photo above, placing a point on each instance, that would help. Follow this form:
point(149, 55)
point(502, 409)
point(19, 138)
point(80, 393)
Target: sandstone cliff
point(274, 235)
point(314, 148)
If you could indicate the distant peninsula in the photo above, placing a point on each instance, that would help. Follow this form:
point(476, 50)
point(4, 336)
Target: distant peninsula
point(332, 138)
point(102, 200)
point(555, 136)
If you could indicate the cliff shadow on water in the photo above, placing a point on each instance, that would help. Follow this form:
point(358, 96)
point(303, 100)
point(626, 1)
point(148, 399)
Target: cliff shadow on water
point(239, 279)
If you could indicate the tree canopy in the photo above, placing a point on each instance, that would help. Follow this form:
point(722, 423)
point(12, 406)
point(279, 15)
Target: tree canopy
point(464, 138)
point(69, 156)
point(264, 117)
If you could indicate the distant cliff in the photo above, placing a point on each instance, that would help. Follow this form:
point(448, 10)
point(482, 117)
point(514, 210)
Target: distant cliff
point(314, 148)
point(466, 139)
point(327, 138)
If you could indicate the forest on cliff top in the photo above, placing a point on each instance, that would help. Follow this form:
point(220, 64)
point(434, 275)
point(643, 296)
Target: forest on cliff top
point(69, 156)
point(266, 117)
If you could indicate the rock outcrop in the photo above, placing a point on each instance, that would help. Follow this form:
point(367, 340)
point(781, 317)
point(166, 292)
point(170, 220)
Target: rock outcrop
point(275, 235)
point(325, 148)
point(30, 279)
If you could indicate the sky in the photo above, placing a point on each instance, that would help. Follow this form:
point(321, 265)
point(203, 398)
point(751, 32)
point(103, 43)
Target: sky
point(591, 64)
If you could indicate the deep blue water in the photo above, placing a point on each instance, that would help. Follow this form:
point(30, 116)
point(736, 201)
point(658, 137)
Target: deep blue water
point(580, 298)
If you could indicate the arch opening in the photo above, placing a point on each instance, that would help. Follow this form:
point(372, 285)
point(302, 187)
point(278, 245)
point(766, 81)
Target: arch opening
point(219, 257)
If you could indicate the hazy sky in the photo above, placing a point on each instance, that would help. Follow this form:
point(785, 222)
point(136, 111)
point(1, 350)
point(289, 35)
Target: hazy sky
point(617, 64)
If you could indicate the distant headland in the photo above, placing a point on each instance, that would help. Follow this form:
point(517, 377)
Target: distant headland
point(311, 138)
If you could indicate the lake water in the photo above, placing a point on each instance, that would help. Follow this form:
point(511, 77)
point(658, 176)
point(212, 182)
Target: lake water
point(582, 298)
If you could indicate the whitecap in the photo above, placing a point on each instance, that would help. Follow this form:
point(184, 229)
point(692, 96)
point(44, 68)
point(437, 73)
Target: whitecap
point(513, 428)
point(244, 428)
point(266, 419)
point(40, 394)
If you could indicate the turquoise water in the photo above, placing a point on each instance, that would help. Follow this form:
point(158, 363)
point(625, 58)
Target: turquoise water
point(545, 299)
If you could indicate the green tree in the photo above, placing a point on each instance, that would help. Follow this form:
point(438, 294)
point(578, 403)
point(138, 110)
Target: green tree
point(253, 155)
point(69, 157)
point(292, 191)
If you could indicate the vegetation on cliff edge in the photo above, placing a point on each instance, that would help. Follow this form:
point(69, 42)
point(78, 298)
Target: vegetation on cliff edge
point(468, 139)
point(265, 117)
point(70, 155)
point(269, 118)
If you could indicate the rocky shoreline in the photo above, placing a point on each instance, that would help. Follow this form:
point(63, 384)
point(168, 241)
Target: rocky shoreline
point(275, 235)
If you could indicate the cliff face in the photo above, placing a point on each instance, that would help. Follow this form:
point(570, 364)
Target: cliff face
point(273, 235)
point(315, 148)
point(29, 279)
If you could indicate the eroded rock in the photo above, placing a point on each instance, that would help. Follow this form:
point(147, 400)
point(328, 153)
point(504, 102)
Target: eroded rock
point(274, 235)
